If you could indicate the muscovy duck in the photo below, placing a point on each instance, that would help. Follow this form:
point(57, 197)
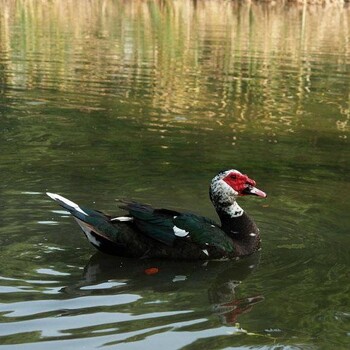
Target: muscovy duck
point(145, 232)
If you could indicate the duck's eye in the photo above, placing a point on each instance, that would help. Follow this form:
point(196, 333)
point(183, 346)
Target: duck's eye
point(233, 177)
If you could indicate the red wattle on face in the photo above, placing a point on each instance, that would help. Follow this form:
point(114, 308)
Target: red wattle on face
point(243, 185)
point(238, 181)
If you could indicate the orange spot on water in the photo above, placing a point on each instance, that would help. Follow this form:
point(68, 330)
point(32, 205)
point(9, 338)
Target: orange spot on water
point(151, 271)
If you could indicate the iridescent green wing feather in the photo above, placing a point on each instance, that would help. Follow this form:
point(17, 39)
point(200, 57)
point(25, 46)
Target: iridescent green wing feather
point(155, 223)
point(205, 232)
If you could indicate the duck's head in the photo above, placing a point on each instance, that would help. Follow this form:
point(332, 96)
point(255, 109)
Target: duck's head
point(230, 184)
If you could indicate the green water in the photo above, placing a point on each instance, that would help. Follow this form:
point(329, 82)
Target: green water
point(148, 100)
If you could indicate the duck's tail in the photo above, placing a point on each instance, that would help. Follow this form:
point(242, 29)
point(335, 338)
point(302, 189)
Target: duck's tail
point(72, 207)
point(97, 227)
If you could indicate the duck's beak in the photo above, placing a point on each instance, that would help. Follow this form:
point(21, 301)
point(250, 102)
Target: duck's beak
point(254, 191)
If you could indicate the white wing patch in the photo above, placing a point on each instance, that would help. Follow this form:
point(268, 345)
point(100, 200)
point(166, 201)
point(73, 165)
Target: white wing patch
point(180, 232)
point(57, 197)
point(205, 251)
point(122, 219)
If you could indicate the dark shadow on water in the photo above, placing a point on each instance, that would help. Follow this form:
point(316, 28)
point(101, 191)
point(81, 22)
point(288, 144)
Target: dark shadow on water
point(219, 279)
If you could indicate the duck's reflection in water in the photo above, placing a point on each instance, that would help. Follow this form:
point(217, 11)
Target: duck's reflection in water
point(219, 279)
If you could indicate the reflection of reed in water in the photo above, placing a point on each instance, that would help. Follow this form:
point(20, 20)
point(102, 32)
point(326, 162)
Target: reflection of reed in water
point(211, 57)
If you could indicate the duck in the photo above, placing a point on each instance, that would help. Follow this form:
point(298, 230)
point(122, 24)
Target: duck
point(147, 232)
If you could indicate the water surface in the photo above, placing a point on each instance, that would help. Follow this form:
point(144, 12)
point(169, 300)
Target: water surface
point(148, 100)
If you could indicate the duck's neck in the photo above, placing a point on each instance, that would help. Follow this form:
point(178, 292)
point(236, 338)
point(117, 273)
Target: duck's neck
point(240, 227)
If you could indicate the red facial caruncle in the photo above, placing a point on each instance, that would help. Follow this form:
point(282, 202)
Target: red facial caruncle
point(242, 184)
